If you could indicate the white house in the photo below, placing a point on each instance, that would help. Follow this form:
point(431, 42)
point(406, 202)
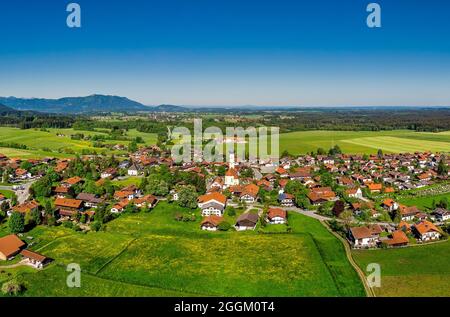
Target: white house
point(276, 216)
point(355, 193)
point(426, 231)
point(365, 237)
point(134, 170)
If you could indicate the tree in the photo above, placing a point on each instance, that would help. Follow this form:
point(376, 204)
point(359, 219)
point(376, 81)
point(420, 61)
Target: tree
point(16, 222)
point(380, 153)
point(42, 188)
point(187, 197)
point(285, 153)
point(443, 203)
point(246, 172)
point(224, 226)
point(133, 146)
point(96, 226)
point(12, 288)
point(231, 211)
point(320, 151)
point(338, 208)
point(221, 170)
point(442, 167)
point(35, 216)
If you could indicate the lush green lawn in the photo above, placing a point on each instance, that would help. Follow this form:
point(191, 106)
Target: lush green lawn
point(7, 193)
point(365, 142)
point(164, 257)
point(424, 202)
point(37, 140)
point(414, 271)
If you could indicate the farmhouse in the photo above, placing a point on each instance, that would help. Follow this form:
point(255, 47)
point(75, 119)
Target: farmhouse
point(68, 207)
point(276, 216)
point(320, 195)
point(109, 173)
point(10, 246)
point(26, 207)
point(246, 221)
point(212, 204)
point(426, 231)
point(120, 206)
point(71, 181)
point(211, 223)
point(375, 188)
point(90, 200)
point(34, 259)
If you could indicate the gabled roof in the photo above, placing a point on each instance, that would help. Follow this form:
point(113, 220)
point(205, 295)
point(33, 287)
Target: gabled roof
point(276, 212)
point(426, 226)
point(69, 203)
point(214, 220)
point(10, 245)
point(248, 217)
point(213, 196)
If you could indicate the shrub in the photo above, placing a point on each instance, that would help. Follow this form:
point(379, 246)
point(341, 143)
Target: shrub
point(96, 225)
point(224, 226)
point(12, 288)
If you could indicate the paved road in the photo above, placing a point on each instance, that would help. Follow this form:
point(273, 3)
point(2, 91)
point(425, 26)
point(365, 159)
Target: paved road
point(22, 195)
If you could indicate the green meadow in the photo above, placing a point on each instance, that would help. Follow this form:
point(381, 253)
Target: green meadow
point(55, 141)
point(414, 271)
point(361, 142)
point(152, 254)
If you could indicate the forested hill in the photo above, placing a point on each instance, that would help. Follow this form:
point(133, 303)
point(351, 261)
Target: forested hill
point(89, 104)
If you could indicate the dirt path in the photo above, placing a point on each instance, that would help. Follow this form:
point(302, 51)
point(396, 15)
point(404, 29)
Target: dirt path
point(348, 252)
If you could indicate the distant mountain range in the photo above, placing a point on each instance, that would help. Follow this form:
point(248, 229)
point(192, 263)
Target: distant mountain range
point(6, 110)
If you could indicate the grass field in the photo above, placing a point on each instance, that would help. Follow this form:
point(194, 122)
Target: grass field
point(413, 271)
point(424, 202)
point(398, 141)
point(39, 142)
point(151, 254)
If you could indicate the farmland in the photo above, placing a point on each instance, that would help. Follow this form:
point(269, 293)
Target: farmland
point(413, 271)
point(54, 142)
point(396, 141)
point(152, 254)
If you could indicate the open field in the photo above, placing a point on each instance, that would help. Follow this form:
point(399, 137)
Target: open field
point(44, 144)
point(397, 141)
point(151, 254)
point(424, 202)
point(413, 271)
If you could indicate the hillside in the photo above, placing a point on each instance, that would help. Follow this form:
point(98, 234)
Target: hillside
point(4, 109)
point(89, 104)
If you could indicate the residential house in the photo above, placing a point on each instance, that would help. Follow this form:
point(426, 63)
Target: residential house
point(212, 204)
point(68, 207)
point(374, 187)
point(441, 214)
point(147, 201)
point(90, 200)
point(398, 239)
point(354, 193)
point(26, 207)
point(120, 206)
point(34, 259)
point(246, 221)
point(211, 223)
point(408, 213)
point(320, 195)
point(134, 170)
point(10, 246)
point(109, 173)
point(389, 204)
point(286, 200)
point(365, 237)
point(276, 216)
point(427, 231)
point(249, 194)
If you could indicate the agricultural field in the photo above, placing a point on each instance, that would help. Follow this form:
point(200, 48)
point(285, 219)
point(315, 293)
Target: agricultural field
point(365, 142)
point(414, 271)
point(152, 254)
point(55, 141)
point(424, 202)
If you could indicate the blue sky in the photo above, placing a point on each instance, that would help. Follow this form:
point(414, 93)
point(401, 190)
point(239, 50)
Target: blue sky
point(229, 52)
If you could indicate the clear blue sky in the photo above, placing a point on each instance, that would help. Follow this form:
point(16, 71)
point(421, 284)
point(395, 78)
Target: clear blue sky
point(229, 52)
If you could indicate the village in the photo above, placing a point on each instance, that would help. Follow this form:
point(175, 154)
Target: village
point(354, 195)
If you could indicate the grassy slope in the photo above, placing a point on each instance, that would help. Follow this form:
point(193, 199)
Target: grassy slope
point(425, 202)
point(36, 140)
point(165, 257)
point(414, 271)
